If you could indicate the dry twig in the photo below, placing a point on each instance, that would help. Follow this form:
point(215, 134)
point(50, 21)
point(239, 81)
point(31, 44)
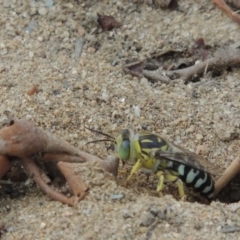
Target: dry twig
point(223, 58)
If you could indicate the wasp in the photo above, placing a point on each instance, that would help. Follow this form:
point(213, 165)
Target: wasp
point(171, 163)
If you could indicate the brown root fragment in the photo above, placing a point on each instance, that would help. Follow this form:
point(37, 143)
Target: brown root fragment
point(34, 172)
point(223, 58)
point(227, 176)
point(227, 10)
point(75, 180)
point(110, 166)
point(5, 165)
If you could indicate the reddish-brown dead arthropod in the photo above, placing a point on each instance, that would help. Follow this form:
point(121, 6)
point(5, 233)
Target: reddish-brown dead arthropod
point(20, 138)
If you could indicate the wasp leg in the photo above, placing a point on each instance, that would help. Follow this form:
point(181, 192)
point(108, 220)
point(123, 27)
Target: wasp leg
point(179, 183)
point(160, 182)
point(135, 168)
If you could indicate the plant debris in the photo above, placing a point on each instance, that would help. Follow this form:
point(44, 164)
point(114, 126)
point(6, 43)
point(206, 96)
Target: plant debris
point(222, 59)
point(107, 23)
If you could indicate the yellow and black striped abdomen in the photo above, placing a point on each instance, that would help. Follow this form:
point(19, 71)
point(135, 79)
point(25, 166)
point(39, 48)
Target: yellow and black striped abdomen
point(198, 179)
point(201, 181)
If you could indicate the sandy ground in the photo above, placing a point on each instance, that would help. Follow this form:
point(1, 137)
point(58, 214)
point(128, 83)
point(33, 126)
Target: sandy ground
point(38, 47)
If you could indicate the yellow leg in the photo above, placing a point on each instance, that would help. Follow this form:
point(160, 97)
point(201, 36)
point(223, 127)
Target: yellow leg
point(179, 183)
point(161, 181)
point(181, 189)
point(170, 178)
point(135, 168)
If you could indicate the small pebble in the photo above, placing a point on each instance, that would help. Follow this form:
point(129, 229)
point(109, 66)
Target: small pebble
point(91, 50)
point(105, 96)
point(42, 11)
point(199, 136)
point(144, 126)
point(42, 225)
point(144, 82)
point(137, 111)
point(40, 39)
point(190, 129)
point(79, 47)
point(115, 62)
point(148, 219)
point(127, 214)
point(3, 51)
point(116, 196)
point(49, 3)
point(7, 3)
point(197, 225)
point(143, 229)
point(32, 26)
point(230, 229)
point(31, 54)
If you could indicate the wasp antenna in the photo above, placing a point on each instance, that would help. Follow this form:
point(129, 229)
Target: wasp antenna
point(100, 140)
point(104, 134)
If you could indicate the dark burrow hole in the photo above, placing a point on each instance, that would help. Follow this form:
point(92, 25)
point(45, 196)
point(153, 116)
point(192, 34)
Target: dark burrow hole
point(231, 192)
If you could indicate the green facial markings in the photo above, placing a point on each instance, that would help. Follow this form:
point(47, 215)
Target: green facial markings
point(124, 150)
point(123, 145)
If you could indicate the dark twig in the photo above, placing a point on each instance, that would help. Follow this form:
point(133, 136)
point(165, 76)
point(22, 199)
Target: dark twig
point(223, 58)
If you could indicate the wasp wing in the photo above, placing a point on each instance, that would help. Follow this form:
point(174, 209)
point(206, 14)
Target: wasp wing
point(188, 159)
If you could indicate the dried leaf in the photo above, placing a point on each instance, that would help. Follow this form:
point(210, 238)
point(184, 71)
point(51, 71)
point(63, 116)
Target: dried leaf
point(107, 23)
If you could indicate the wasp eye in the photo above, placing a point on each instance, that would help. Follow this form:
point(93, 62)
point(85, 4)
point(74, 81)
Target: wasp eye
point(124, 150)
